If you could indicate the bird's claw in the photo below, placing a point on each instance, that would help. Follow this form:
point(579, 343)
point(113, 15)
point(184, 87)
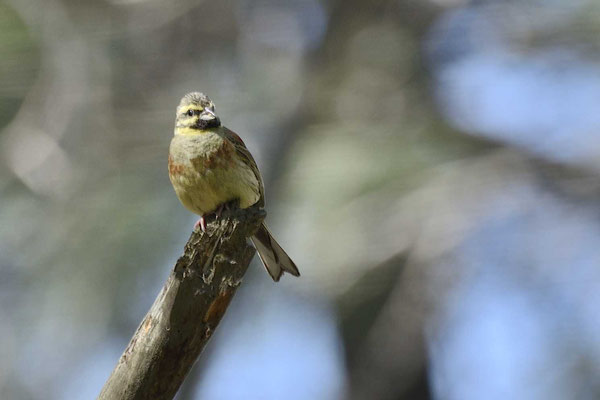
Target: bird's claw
point(200, 223)
point(219, 211)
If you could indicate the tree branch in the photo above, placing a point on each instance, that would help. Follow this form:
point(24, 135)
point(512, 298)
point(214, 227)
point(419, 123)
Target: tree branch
point(187, 310)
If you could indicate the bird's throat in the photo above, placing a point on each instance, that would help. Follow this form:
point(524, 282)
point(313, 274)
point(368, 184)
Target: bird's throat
point(207, 123)
point(189, 131)
point(201, 127)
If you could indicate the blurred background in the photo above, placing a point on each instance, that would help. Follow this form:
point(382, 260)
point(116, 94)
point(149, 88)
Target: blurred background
point(433, 167)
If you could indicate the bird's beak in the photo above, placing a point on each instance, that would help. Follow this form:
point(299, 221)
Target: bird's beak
point(208, 115)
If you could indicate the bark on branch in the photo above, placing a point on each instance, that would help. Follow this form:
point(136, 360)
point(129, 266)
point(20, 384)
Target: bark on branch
point(187, 310)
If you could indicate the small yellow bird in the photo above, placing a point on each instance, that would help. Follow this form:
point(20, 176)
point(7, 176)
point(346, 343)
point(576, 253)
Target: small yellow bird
point(209, 166)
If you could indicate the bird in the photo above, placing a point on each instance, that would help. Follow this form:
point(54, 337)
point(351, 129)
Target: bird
point(210, 167)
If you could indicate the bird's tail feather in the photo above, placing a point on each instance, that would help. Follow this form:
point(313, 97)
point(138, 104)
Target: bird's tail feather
point(273, 257)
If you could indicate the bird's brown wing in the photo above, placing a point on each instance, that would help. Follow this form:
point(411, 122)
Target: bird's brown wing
point(246, 156)
point(272, 255)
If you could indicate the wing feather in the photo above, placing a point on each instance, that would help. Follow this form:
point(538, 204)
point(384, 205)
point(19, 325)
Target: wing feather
point(243, 152)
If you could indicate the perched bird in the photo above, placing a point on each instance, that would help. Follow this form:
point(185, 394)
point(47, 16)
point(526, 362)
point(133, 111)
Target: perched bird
point(210, 166)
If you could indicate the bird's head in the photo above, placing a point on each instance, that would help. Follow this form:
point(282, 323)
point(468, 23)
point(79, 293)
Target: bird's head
point(195, 113)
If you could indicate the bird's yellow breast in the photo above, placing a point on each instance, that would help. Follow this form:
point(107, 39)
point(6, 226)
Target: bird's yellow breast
point(206, 171)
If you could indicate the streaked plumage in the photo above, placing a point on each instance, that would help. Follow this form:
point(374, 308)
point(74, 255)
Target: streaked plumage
point(209, 165)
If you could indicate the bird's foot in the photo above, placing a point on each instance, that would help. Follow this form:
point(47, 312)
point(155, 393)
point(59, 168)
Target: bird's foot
point(220, 210)
point(200, 223)
point(226, 207)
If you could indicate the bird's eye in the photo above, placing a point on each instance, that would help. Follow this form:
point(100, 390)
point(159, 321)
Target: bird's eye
point(190, 112)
